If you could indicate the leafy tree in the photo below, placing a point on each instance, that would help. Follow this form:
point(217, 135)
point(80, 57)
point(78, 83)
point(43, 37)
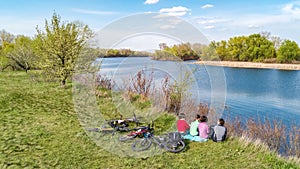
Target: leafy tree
point(198, 48)
point(209, 52)
point(259, 48)
point(112, 53)
point(6, 37)
point(183, 51)
point(221, 49)
point(237, 47)
point(60, 45)
point(288, 52)
point(5, 61)
point(21, 53)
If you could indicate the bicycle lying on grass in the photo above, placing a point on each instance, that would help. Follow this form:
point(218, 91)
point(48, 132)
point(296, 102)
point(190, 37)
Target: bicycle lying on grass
point(112, 126)
point(137, 132)
point(172, 141)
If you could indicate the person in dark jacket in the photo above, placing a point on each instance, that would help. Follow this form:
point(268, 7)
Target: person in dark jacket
point(219, 132)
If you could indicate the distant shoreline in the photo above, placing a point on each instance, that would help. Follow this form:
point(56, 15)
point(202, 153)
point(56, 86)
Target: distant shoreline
point(250, 65)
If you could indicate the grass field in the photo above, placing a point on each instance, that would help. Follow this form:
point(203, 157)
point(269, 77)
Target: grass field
point(39, 128)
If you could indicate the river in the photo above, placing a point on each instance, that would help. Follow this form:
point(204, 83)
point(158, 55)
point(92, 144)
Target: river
point(247, 93)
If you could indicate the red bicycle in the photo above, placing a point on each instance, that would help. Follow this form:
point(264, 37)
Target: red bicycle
point(138, 132)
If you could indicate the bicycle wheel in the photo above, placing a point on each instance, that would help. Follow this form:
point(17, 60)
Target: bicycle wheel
point(141, 145)
point(174, 146)
point(127, 137)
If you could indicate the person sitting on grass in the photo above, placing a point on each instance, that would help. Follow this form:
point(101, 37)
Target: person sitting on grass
point(203, 128)
point(182, 125)
point(219, 132)
point(194, 130)
point(194, 126)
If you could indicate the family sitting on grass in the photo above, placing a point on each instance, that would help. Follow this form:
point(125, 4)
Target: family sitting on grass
point(199, 130)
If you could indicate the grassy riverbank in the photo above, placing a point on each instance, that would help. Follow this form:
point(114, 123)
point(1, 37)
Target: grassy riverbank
point(39, 129)
point(251, 65)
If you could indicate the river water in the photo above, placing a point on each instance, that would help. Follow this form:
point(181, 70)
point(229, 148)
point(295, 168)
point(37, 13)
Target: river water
point(247, 93)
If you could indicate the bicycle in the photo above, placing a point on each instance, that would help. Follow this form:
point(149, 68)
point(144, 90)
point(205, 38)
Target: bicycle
point(138, 132)
point(112, 126)
point(172, 143)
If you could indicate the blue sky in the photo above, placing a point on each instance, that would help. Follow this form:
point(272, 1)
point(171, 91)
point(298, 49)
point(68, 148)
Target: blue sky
point(216, 19)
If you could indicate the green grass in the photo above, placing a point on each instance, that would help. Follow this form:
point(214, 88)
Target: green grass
point(39, 128)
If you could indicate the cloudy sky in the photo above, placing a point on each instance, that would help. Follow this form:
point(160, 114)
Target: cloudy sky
point(216, 19)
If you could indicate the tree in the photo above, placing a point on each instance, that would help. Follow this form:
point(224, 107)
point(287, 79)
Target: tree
point(259, 48)
point(60, 45)
point(276, 41)
point(183, 51)
point(288, 52)
point(21, 53)
point(221, 49)
point(209, 53)
point(6, 37)
point(237, 47)
point(5, 61)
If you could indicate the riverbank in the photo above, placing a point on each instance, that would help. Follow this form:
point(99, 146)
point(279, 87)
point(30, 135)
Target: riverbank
point(40, 129)
point(250, 65)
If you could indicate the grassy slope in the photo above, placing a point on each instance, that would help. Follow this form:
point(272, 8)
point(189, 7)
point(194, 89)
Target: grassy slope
point(39, 128)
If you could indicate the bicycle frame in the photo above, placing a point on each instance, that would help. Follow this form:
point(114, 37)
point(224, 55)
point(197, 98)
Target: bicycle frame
point(170, 145)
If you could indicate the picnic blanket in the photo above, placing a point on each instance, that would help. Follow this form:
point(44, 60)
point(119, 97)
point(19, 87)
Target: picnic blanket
point(194, 138)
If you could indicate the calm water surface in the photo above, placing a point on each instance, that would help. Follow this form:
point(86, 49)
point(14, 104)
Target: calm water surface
point(250, 93)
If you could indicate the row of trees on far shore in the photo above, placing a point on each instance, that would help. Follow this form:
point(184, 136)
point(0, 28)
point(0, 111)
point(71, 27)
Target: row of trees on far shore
point(254, 48)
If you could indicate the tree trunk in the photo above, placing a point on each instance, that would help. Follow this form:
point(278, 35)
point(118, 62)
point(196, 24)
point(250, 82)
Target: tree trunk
point(63, 83)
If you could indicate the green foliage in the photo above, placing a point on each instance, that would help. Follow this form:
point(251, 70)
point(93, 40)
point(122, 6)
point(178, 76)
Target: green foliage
point(6, 37)
point(209, 52)
point(259, 48)
point(288, 52)
point(175, 92)
point(221, 49)
point(60, 45)
point(5, 61)
point(182, 51)
point(237, 47)
point(21, 54)
point(163, 55)
point(253, 48)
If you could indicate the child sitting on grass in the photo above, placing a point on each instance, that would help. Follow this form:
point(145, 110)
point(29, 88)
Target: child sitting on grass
point(194, 126)
point(194, 131)
point(182, 125)
point(203, 128)
point(219, 132)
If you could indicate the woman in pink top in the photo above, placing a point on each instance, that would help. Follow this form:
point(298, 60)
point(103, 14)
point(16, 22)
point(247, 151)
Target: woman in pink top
point(203, 128)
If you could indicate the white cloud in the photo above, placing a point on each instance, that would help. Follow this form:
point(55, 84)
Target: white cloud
point(210, 20)
point(92, 12)
point(151, 1)
point(175, 11)
point(292, 8)
point(209, 27)
point(207, 6)
point(253, 26)
point(167, 27)
point(149, 12)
